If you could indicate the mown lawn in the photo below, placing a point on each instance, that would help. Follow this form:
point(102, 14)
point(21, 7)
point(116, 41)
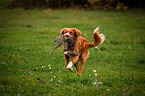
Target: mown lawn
point(26, 39)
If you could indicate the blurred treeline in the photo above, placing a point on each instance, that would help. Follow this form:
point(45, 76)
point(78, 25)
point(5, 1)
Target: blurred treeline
point(121, 5)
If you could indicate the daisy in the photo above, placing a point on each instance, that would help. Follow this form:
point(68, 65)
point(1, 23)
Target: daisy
point(94, 70)
point(94, 83)
point(59, 81)
point(107, 89)
point(99, 82)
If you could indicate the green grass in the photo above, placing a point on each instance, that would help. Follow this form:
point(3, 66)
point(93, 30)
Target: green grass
point(26, 38)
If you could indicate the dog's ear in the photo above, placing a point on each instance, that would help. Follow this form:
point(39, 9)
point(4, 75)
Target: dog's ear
point(62, 31)
point(77, 32)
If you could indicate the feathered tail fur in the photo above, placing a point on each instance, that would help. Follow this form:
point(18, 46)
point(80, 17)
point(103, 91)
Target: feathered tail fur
point(98, 39)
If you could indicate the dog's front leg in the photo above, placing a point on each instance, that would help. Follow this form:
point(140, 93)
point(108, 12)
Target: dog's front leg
point(73, 62)
point(66, 58)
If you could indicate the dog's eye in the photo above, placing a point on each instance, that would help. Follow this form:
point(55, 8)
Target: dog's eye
point(70, 32)
point(65, 32)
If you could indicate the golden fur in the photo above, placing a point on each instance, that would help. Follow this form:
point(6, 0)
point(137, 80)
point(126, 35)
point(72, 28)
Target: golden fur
point(81, 46)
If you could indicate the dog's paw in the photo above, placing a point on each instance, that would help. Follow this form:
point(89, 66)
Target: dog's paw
point(78, 74)
point(71, 69)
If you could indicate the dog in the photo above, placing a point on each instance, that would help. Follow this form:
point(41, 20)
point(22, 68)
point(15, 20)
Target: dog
point(81, 48)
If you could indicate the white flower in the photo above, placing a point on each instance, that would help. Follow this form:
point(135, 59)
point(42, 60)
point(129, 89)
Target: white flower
point(51, 79)
point(89, 75)
point(36, 68)
point(95, 74)
point(51, 72)
point(49, 67)
point(94, 70)
point(94, 83)
point(54, 76)
point(107, 89)
point(42, 66)
point(59, 81)
point(99, 82)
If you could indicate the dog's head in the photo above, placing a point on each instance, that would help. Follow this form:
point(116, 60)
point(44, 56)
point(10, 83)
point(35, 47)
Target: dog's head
point(70, 32)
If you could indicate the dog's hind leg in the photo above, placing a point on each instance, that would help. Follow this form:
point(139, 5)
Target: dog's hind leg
point(83, 59)
point(77, 68)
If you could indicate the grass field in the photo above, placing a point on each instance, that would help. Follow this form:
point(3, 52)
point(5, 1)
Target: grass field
point(26, 38)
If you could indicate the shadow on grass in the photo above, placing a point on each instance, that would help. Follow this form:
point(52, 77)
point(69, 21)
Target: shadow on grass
point(85, 81)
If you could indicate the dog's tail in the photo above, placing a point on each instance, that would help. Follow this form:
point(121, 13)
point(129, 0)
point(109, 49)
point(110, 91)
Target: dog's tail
point(98, 39)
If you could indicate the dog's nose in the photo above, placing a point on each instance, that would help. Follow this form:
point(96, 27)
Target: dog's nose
point(67, 34)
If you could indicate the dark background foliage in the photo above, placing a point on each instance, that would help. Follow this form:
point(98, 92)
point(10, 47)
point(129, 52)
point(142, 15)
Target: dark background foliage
point(90, 4)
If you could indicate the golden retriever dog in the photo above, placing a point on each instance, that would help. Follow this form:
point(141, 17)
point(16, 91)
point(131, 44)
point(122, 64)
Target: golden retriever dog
point(81, 47)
